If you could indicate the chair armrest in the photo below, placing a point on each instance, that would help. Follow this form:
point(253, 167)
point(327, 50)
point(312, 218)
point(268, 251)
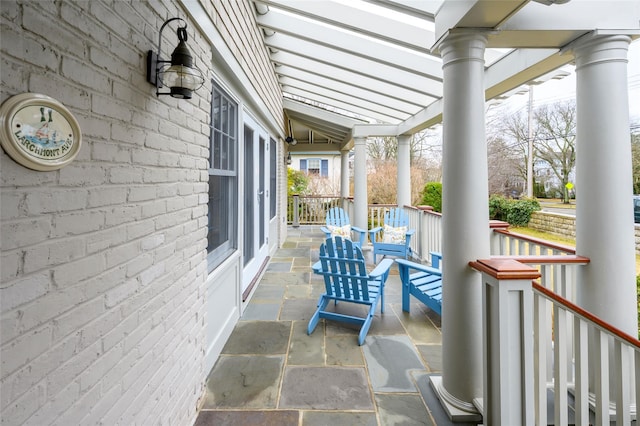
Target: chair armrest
point(410, 231)
point(381, 269)
point(356, 229)
point(418, 267)
point(436, 258)
point(317, 267)
point(373, 232)
point(325, 229)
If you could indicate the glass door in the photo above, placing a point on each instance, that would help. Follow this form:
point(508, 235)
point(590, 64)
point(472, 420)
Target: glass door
point(256, 200)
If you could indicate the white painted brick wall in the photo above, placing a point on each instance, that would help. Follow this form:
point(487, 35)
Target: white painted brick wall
point(103, 262)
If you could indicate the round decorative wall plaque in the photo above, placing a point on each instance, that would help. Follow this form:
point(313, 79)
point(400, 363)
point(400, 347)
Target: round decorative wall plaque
point(39, 132)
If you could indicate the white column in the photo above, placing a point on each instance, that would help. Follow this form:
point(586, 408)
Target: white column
point(404, 171)
point(344, 174)
point(465, 221)
point(360, 183)
point(604, 212)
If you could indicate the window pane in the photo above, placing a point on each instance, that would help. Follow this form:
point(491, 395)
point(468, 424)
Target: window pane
point(223, 183)
point(273, 176)
point(215, 150)
point(225, 116)
point(215, 110)
point(231, 131)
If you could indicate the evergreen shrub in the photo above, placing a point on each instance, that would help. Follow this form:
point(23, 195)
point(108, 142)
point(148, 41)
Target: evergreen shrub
point(432, 196)
point(516, 212)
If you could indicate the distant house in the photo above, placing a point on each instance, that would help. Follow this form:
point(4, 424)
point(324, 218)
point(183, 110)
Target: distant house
point(322, 168)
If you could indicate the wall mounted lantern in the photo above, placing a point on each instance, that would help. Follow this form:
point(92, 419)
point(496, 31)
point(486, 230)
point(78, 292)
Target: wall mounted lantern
point(179, 74)
point(289, 158)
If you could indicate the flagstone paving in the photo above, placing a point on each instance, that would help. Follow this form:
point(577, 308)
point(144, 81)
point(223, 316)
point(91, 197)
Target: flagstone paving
point(272, 373)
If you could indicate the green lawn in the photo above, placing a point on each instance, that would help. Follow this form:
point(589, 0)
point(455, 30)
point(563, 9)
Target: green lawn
point(558, 239)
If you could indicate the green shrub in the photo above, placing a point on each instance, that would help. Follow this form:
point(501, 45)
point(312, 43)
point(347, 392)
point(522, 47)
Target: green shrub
point(498, 206)
point(516, 212)
point(519, 212)
point(297, 182)
point(432, 196)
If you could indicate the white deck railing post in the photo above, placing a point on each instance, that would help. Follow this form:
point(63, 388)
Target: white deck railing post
point(296, 211)
point(495, 237)
point(507, 312)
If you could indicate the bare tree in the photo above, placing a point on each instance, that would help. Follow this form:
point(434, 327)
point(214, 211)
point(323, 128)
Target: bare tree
point(556, 140)
point(382, 153)
point(635, 154)
point(504, 167)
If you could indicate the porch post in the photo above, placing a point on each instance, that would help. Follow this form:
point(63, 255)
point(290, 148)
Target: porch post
point(507, 299)
point(344, 174)
point(404, 171)
point(604, 212)
point(465, 221)
point(360, 182)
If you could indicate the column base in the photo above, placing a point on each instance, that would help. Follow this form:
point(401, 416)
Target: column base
point(457, 410)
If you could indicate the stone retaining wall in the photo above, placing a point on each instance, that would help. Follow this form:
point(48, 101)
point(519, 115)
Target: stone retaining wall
point(563, 225)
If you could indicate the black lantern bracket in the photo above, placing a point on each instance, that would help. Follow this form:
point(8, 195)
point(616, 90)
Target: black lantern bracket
point(178, 74)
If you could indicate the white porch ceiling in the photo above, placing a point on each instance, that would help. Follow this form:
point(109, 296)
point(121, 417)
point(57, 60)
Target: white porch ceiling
point(343, 63)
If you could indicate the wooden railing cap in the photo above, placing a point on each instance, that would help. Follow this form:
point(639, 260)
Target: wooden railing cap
point(505, 269)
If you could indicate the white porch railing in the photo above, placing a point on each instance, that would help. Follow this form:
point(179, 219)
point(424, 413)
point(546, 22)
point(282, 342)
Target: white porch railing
point(539, 345)
point(523, 368)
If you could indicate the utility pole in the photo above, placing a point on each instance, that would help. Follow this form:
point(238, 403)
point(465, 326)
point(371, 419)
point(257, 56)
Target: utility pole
point(530, 141)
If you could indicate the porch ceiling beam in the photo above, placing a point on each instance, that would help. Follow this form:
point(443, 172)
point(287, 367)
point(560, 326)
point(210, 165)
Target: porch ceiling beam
point(327, 86)
point(516, 68)
point(416, 62)
point(340, 102)
point(474, 14)
point(581, 16)
point(320, 127)
point(360, 65)
point(320, 114)
point(349, 77)
point(521, 66)
point(359, 21)
point(316, 148)
point(423, 9)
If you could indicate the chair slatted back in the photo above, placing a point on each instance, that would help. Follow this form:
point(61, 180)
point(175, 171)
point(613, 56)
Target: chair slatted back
point(337, 217)
point(344, 271)
point(396, 218)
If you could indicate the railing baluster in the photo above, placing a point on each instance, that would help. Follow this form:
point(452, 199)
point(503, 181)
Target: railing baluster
point(540, 356)
point(559, 365)
point(623, 383)
point(581, 374)
point(602, 377)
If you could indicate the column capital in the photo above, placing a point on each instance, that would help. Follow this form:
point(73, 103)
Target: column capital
point(359, 140)
point(462, 45)
point(595, 48)
point(403, 139)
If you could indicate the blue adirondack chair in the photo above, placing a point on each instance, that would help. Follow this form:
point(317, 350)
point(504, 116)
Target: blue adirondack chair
point(346, 280)
point(425, 283)
point(338, 224)
point(394, 237)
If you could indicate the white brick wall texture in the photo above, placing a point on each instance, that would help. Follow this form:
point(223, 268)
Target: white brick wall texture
point(103, 262)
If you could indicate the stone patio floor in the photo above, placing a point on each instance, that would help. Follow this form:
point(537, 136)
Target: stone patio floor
point(272, 373)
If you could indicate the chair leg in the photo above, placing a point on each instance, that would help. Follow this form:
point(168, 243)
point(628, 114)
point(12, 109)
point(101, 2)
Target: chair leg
point(365, 327)
point(404, 280)
point(313, 322)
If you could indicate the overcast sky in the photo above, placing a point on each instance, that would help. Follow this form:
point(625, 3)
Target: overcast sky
point(565, 89)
